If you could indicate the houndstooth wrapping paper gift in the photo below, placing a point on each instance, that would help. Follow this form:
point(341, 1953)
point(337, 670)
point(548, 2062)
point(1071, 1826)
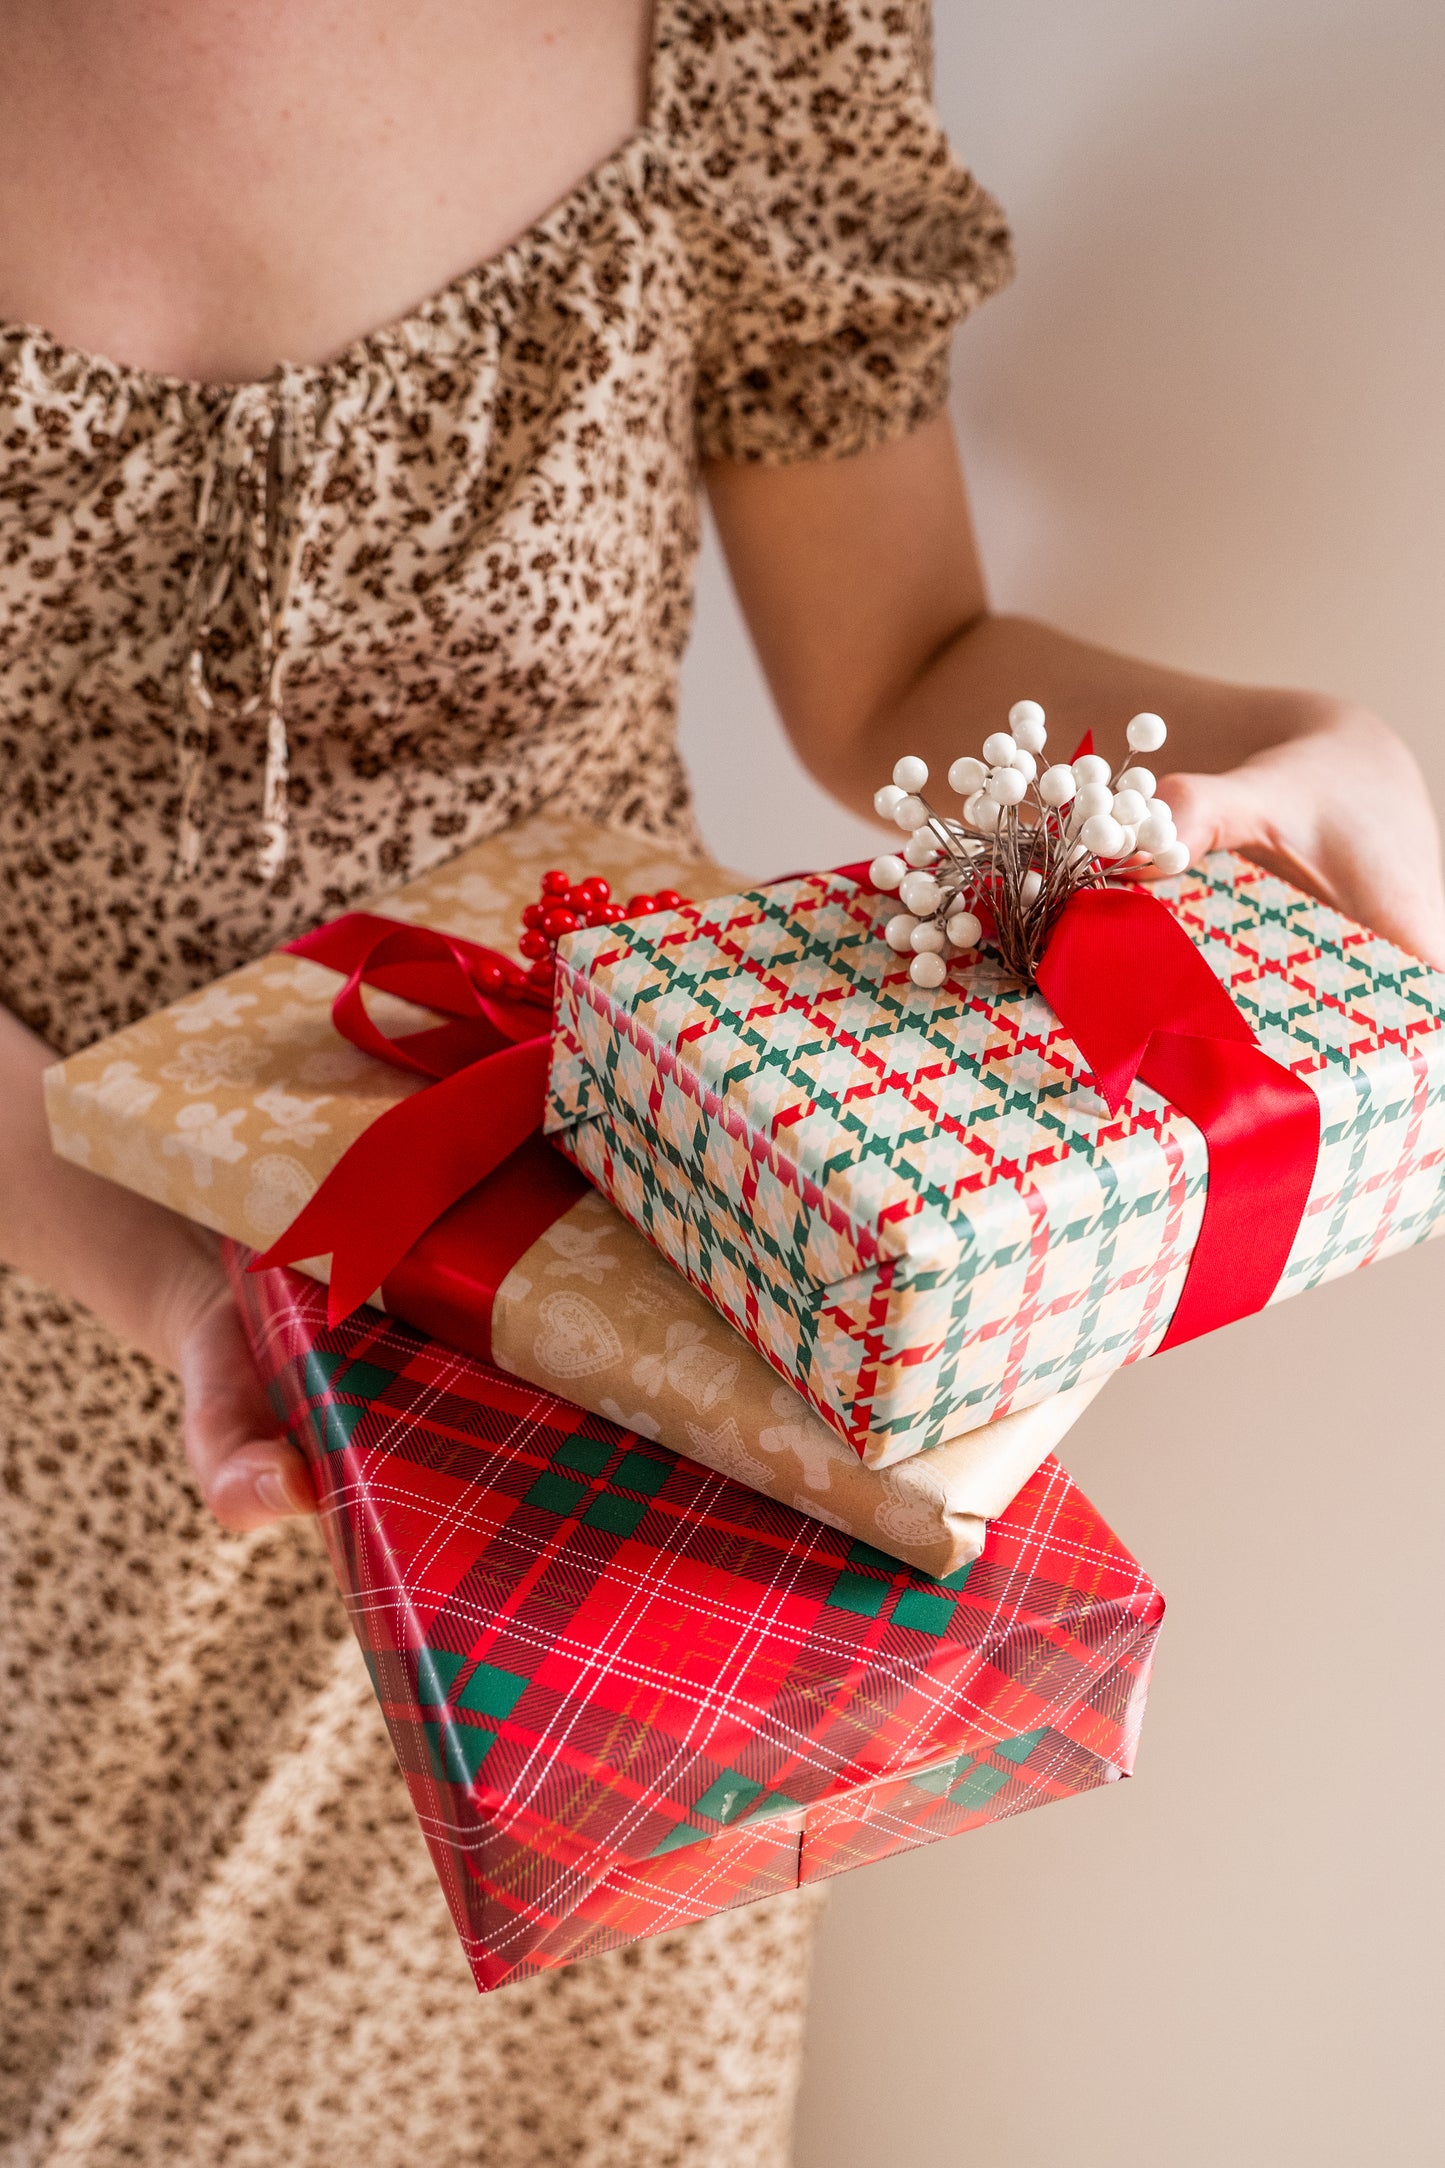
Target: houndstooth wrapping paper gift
point(626, 1693)
point(914, 1201)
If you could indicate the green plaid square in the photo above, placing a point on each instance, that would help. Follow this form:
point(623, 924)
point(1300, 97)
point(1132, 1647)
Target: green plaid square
point(366, 1380)
point(863, 1554)
point(923, 1612)
point(555, 1494)
point(1019, 1750)
point(436, 1671)
point(319, 1369)
point(457, 1751)
point(619, 1516)
point(337, 1422)
point(729, 1798)
point(638, 1472)
point(855, 1592)
point(492, 1692)
point(937, 1781)
point(590, 1455)
point(677, 1838)
point(775, 1803)
point(978, 1787)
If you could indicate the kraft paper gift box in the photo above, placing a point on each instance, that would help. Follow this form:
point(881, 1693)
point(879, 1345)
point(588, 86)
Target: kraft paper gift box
point(626, 1693)
point(915, 1201)
point(232, 1105)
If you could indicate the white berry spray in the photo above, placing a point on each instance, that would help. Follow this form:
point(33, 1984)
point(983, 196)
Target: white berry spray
point(1029, 838)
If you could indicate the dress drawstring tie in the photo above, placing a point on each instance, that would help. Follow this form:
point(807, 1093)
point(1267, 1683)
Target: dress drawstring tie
point(251, 533)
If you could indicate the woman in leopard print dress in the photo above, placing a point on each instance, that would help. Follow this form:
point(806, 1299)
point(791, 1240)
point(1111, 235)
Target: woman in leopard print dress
point(273, 637)
point(264, 650)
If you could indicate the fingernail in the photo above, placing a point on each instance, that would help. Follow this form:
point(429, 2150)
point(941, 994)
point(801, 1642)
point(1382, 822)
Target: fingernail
point(274, 1493)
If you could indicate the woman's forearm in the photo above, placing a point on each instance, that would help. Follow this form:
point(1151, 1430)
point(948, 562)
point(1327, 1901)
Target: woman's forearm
point(1315, 789)
point(862, 587)
point(967, 689)
point(157, 1281)
point(123, 1257)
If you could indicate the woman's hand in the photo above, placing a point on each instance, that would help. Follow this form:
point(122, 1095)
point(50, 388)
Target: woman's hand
point(248, 1472)
point(1341, 810)
point(157, 1281)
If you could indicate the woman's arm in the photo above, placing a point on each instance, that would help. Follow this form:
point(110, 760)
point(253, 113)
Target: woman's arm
point(157, 1280)
point(861, 584)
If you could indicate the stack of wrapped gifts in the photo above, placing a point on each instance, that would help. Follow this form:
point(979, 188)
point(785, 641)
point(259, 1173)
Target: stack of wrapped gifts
point(679, 1322)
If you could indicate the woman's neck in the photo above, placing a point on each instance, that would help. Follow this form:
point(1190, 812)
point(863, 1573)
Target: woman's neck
point(202, 187)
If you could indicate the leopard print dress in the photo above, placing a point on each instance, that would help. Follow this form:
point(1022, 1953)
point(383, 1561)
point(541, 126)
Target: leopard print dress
point(265, 650)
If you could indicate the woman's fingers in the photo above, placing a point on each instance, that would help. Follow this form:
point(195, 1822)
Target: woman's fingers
point(1340, 813)
point(248, 1473)
point(1213, 812)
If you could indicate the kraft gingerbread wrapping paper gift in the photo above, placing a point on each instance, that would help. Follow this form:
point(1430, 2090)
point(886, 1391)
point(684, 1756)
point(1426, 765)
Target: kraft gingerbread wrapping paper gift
point(595, 1314)
point(233, 1105)
point(626, 1693)
point(913, 1200)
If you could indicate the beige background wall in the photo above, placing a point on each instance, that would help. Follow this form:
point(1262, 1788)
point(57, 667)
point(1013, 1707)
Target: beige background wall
point(1207, 424)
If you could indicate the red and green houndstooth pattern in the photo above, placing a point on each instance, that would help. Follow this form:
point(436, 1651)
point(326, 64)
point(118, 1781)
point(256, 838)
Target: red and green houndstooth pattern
point(626, 1693)
point(915, 1203)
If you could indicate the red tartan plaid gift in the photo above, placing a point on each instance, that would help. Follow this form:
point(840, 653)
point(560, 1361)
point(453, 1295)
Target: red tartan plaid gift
point(626, 1692)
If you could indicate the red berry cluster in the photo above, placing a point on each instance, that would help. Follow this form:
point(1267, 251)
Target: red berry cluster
point(564, 905)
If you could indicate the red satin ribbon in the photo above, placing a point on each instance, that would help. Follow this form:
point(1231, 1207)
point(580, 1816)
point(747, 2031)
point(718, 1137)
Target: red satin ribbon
point(395, 1211)
point(448, 1280)
point(437, 1200)
point(1138, 999)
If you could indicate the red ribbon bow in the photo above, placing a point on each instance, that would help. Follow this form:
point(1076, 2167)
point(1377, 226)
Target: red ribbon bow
point(437, 1200)
point(402, 1210)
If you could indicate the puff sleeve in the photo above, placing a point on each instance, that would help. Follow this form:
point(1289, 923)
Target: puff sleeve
point(837, 239)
